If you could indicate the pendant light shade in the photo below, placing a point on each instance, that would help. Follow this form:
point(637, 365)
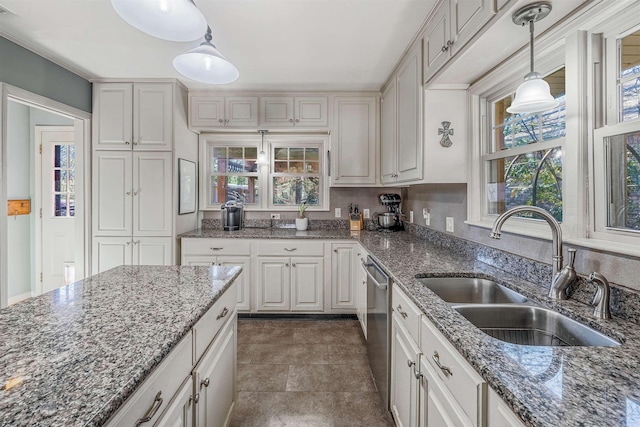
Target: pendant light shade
point(533, 95)
point(174, 20)
point(206, 65)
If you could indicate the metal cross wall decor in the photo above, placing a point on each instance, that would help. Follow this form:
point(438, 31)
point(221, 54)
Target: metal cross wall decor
point(445, 131)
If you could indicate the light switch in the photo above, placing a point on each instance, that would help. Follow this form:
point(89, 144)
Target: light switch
point(338, 212)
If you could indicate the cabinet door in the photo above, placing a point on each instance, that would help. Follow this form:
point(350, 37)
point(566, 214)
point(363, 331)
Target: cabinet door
point(354, 141)
point(342, 286)
point(241, 111)
point(361, 287)
point(437, 406)
point(410, 144)
point(307, 284)
point(311, 111)
point(215, 378)
point(152, 194)
point(109, 252)
point(198, 260)
point(500, 415)
point(206, 111)
point(152, 116)
point(436, 36)
point(243, 281)
point(112, 189)
point(179, 413)
point(112, 116)
point(467, 18)
point(388, 133)
point(152, 251)
point(273, 284)
point(276, 111)
point(404, 385)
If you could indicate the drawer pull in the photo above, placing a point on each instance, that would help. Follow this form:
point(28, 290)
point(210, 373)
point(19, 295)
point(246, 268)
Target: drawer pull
point(410, 363)
point(225, 311)
point(402, 313)
point(197, 398)
point(290, 249)
point(445, 369)
point(205, 382)
point(216, 249)
point(151, 412)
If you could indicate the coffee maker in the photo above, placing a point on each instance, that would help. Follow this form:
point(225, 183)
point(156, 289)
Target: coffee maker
point(232, 218)
point(392, 219)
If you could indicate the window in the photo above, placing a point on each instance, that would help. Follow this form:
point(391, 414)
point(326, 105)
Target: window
point(523, 161)
point(629, 77)
point(63, 180)
point(295, 173)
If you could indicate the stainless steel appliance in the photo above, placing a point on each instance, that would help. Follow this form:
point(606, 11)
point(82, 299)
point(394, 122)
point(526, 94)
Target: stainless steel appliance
point(232, 215)
point(379, 328)
point(392, 219)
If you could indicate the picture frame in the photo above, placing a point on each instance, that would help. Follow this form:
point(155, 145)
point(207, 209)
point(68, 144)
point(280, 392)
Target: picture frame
point(187, 186)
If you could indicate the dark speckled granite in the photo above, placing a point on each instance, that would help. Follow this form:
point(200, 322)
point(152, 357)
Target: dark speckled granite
point(81, 350)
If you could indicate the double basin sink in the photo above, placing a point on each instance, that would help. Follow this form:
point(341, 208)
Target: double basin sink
point(508, 316)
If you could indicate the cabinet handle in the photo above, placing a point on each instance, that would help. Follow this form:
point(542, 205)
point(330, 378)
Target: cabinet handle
point(126, 143)
point(286, 264)
point(290, 249)
point(297, 120)
point(204, 382)
point(135, 143)
point(417, 373)
point(136, 242)
point(135, 193)
point(226, 120)
point(128, 193)
point(128, 243)
point(224, 312)
point(447, 46)
point(402, 313)
point(410, 363)
point(290, 120)
point(220, 120)
point(445, 369)
point(293, 265)
point(151, 412)
point(216, 249)
point(197, 398)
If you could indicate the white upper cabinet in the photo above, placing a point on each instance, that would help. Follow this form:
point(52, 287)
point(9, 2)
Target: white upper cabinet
point(388, 133)
point(289, 111)
point(208, 112)
point(452, 26)
point(135, 116)
point(354, 141)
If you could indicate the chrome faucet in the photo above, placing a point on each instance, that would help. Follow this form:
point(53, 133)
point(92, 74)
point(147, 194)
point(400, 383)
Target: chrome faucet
point(562, 277)
point(602, 297)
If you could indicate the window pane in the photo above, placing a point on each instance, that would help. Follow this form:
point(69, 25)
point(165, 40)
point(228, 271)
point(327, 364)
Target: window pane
point(312, 153)
point(629, 83)
point(631, 99)
point(60, 156)
point(630, 54)
point(623, 170)
point(59, 205)
point(72, 157)
point(72, 205)
point(312, 167)
point(281, 154)
point(59, 180)
point(281, 167)
point(296, 153)
point(72, 182)
point(219, 161)
point(533, 179)
point(239, 188)
point(296, 190)
point(251, 153)
point(296, 167)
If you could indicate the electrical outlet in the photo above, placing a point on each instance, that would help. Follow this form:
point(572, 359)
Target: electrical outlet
point(450, 224)
point(338, 213)
point(425, 212)
point(365, 214)
point(411, 217)
point(427, 218)
point(275, 216)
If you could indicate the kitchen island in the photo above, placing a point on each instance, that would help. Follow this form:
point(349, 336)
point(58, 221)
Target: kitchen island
point(544, 386)
point(74, 355)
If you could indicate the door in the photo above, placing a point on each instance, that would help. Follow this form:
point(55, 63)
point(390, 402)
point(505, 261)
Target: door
point(58, 207)
point(342, 289)
point(404, 385)
point(274, 284)
point(243, 281)
point(180, 411)
point(276, 111)
point(307, 284)
point(152, 116)
point(388, 134)
point(311, 111)
point(113, 110)
point(112, 191)
point(152, 194)
point(109, 252)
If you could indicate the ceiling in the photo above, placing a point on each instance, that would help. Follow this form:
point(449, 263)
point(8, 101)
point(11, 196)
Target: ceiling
point(276, 44)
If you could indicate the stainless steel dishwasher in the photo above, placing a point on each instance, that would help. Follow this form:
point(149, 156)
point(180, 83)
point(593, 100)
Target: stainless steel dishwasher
point(378, 328)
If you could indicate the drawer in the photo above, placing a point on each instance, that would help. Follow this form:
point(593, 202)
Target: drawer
point(158, 389)
point(462, 381)
point(409, 313)
point(291, 248)
point(216, 247)
point(206, 329)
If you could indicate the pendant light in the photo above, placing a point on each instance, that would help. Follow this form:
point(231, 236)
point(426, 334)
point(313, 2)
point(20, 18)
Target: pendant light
point(533, 95)
point(262, 160)
point(174, 20)
point(205, 64)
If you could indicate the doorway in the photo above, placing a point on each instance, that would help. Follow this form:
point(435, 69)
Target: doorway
point(43, 160)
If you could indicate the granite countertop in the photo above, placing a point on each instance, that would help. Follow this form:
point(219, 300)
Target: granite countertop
point(72, 356)
point(546, 386)
point(268, 233)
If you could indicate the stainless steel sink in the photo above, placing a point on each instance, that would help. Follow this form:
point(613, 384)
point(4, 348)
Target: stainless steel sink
point(470, 290)
point(531, 325)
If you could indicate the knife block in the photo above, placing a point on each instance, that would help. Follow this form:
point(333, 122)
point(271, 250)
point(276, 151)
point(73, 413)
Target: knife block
point(355, 222)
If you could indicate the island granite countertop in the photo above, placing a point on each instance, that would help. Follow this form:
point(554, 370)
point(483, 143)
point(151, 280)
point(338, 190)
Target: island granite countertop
point(545, 386)
point(72, 356)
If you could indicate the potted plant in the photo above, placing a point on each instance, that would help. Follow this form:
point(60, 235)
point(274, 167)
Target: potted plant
point(302, 222)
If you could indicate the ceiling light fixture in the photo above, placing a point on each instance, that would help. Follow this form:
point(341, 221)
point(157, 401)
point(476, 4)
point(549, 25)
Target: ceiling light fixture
point(533, 95)
point(262, 156)
point(206, 64)
point(174, 20)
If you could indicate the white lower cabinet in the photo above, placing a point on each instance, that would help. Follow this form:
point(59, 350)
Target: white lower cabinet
point(405, 359)
point(214, 379)
point(360, 285)
point(290, 283)
point(342, 268)
point(180, 410)
point(499, 414)
point(109, 252)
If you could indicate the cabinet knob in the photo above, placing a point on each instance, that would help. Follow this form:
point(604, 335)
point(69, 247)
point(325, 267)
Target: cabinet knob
point(297, 120)
point(196, 399)
point(290, 120)
point(128, 193)
point(126, 143)
point(220, 120)
point(293, 265)
point(226, 120)
point(286, 264)
point(205, 382)
point(410, 363)
point(135, 143)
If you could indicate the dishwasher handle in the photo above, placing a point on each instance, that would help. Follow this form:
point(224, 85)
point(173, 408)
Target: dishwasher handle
point(381, 285)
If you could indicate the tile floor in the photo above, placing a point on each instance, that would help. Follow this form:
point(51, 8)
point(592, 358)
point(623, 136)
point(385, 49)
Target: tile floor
point(305, 373)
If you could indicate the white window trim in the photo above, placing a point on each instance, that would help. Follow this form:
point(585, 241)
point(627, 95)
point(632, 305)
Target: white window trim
point(265, 189)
